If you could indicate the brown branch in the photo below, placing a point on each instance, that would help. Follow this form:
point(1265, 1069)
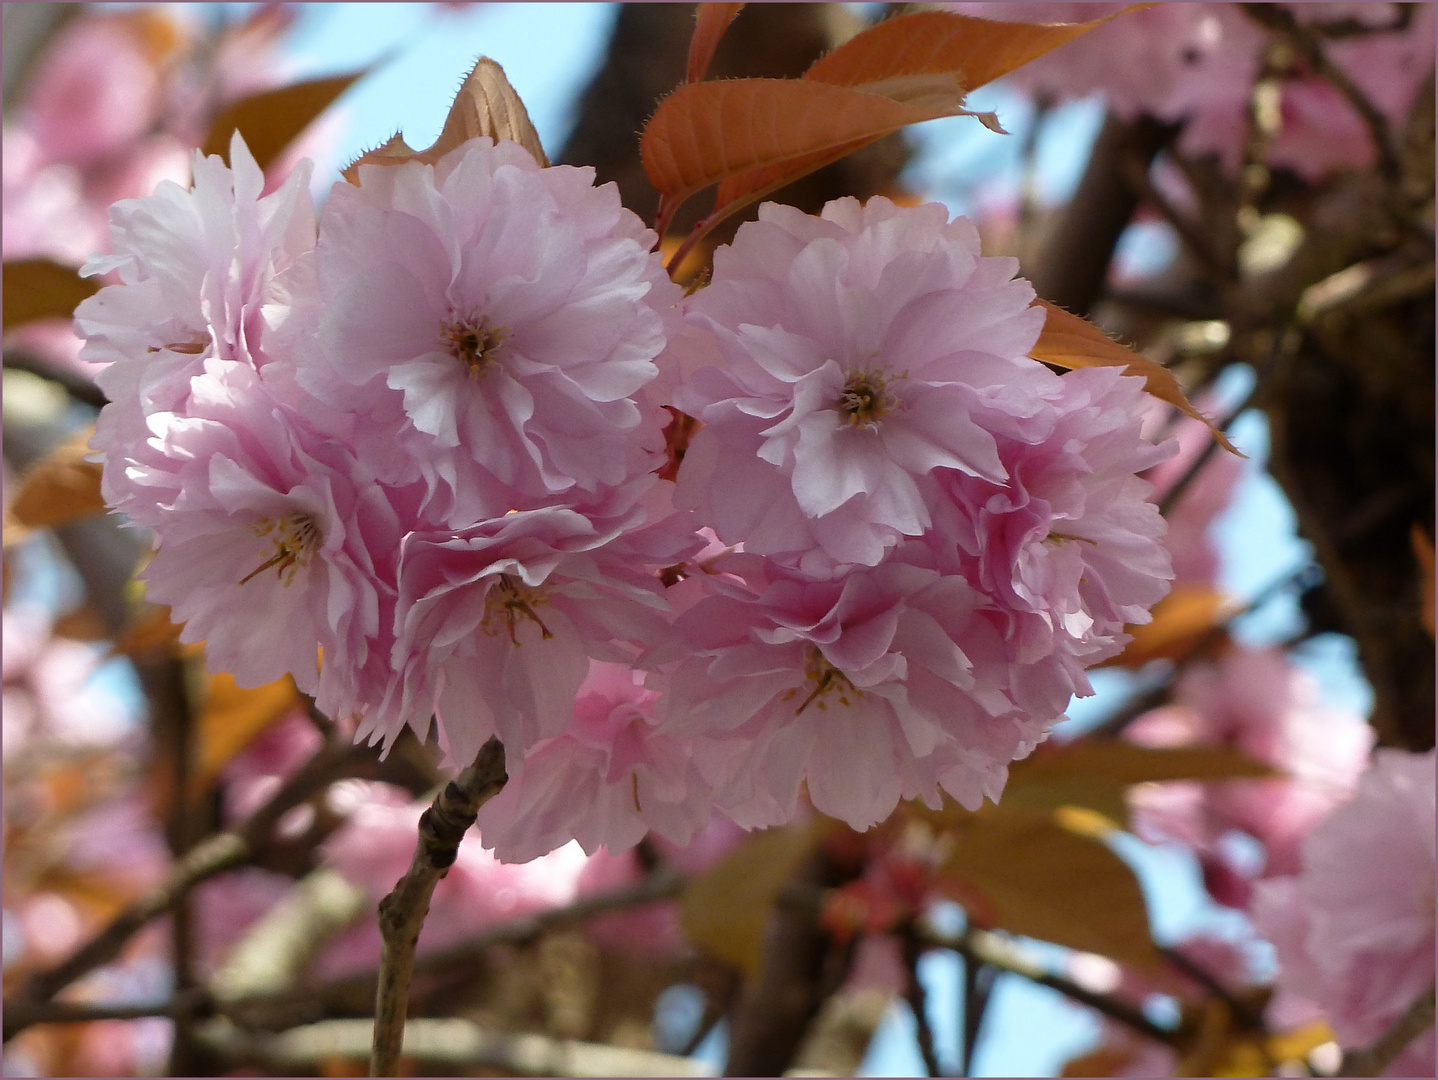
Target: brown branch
point(917, 998)
point(1072, 268)
point(402, 912)
point(74, 383)
point(1310, 46)
point(453, 1043)
point(1374, 1059)
point(221, 852)
point(985, 947)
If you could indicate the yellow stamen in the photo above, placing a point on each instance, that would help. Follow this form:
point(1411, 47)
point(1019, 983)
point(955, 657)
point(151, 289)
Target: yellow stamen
point(508, 601)
point(295, 536)
point(472, 341)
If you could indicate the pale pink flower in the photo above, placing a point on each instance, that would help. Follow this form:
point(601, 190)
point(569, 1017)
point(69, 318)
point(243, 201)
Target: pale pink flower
point(515, 311)
point(1259, 702)
point(1354, 929)
point(196, 269)
point(852, 354)
point(496, 623)
point(605, 781)
point(273, 543)
point(373, 850)
point(858, 688)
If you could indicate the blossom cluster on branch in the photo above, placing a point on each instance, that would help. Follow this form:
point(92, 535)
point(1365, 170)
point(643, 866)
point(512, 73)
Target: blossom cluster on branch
point(412, 456)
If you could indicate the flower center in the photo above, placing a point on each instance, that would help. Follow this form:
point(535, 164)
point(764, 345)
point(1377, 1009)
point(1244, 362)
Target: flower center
point(507, 602)
point(294, 537)
point(866, 399)
point(472, 341)
point(827, 679)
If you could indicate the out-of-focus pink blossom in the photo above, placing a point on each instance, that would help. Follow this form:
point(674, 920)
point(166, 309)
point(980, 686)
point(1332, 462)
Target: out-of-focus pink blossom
point(1259, 702)
point(515, 311)
point(651, 929)
point(1190, 543)
point(1198, 62)
point(1354, 928)
point(373, 850)
point(272, 757)
point(605, 781)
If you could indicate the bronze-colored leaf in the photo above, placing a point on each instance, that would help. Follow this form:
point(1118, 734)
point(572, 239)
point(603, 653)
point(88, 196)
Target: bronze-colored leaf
point(1423, 552)
point(60, 488)
point(41, 289)
point(706, 132)
point(710, 23)
point(975, 50)
point(1180, 621)
point(151, 630)
point(82, 624)
point(231, 717)
point(272, 119)
point(726, 909)
point(486, 105)
point(1094, 773)
point(1045, 881)
point(1068, 341)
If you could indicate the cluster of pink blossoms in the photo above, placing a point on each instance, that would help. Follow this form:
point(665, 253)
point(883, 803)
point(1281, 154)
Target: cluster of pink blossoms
point(411, 457)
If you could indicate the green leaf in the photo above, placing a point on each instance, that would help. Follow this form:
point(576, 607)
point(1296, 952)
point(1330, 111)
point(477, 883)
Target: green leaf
point(725, 910)
point(272, 119)
point(41, 289)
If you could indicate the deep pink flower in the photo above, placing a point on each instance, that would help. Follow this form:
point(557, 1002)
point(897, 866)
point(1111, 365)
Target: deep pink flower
point(605, 781)
point(851, 355)
point(1354, 929)
point(514, 311)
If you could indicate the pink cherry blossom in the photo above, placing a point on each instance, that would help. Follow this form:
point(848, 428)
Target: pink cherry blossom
point(1261, 703)
point(605, 781)
point(273, 544)
point(496, 623)
point(852, 354)
point(196, 269)
point(1354, 928)
point(857, 687)
point(515, 311)
point(373, 850)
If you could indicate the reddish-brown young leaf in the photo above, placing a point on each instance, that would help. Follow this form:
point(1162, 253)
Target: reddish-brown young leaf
point(231, 718)
point(61, 487)
point(1180, 621)
point(41, 289)
point(725, 909)
point(705, 132)
point(270, 120)
point(710, 22)
point(1068, 341)
point(977, 51)
point(927, 60)
point(485, 105)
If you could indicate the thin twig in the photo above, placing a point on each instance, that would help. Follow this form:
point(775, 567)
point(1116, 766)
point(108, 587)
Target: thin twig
point(452, 1042)
point(402, 912)
point(1248, 1016)
point(1310, 46)
point(918, 1000)
point(1172, 496)
point(221, 852)
point(978, 982)
point(984, 947)
point(1373, 1060)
